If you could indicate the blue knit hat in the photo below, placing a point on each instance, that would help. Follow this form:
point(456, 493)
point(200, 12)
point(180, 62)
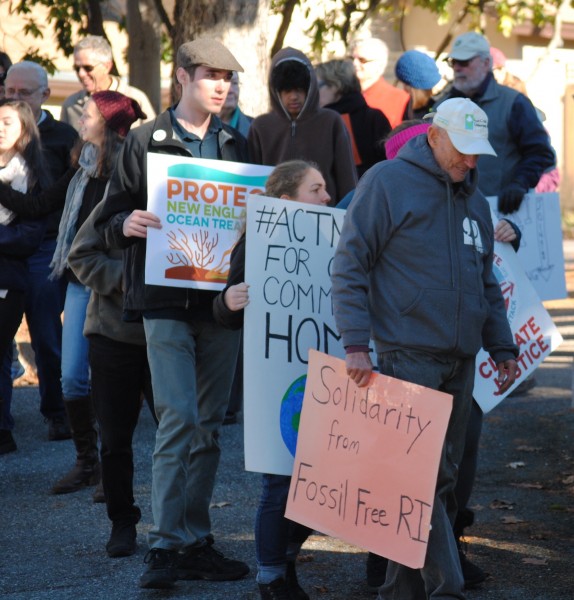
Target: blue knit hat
point(418, 70)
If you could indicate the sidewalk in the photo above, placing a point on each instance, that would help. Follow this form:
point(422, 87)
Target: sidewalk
point(53, 547)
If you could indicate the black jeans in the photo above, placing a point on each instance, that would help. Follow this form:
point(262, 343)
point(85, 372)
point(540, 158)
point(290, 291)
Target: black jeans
point(11, 311)
point(120, 375)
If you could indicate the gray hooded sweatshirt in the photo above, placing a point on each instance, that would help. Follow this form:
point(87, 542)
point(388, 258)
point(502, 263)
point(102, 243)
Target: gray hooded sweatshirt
point(413, 268)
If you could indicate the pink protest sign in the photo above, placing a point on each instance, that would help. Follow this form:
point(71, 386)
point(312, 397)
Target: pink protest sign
point(367, 460)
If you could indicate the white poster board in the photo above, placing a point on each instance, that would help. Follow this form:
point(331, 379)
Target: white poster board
point(532, 327)
point(201, 204)
point(289, 249)
point(541, 252)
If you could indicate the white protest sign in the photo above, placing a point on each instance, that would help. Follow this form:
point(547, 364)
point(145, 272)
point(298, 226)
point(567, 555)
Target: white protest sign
point(541, 252)
point(532, 327)
point(201, 204)
point(289, 249)
point(367, 460)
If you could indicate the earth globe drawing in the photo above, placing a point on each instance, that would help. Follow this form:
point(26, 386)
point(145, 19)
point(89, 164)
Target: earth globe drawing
point(290, 414)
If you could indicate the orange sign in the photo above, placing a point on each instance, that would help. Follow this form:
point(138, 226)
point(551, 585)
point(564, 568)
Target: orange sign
point(367, 460)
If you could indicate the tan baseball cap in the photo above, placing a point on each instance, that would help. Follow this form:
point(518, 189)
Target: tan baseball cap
point(207, 52)
point(468, 45)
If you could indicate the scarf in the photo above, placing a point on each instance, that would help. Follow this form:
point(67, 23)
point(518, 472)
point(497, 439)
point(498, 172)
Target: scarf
point(15, 173)
point(74, 197)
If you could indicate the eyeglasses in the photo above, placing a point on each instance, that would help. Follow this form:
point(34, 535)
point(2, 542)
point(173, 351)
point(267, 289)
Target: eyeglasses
point(12, 93)
point(452, 62)
point(87, 68)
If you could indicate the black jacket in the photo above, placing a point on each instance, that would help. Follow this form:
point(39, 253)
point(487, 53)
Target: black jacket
point(58, 139)
point(128, 192)
point(369, 127)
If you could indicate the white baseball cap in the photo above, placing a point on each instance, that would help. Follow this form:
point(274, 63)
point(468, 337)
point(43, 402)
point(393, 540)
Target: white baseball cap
point(466, 125)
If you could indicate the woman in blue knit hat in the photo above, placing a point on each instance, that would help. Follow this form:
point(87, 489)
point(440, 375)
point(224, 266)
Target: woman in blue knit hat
point(419, 75)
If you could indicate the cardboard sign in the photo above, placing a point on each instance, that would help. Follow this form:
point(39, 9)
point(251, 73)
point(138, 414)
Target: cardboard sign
point(367, 460)
point(532, 327)
point(289, 249)
point(541, 251)
point(201, 204)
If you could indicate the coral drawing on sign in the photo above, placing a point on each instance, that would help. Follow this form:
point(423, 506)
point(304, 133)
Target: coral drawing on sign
point(192, 259)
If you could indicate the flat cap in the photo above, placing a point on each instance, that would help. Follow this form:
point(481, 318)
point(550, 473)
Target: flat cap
point(207, 52)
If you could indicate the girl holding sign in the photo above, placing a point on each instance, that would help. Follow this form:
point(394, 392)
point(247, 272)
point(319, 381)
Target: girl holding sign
point(299, 181)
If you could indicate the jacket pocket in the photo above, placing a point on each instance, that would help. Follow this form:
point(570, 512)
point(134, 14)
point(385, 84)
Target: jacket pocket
point(429, 320)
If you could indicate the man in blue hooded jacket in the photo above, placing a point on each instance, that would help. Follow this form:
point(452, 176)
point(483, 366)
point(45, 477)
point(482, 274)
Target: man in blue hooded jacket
point(413, 270)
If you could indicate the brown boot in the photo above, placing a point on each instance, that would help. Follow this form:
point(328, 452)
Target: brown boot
point(86, 471)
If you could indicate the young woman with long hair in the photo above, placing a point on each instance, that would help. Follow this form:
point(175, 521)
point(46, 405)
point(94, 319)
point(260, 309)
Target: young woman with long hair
point(22, 167)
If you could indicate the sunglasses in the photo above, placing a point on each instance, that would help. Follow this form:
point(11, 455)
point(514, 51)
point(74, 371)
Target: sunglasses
point(451, 62)
point(87, 68)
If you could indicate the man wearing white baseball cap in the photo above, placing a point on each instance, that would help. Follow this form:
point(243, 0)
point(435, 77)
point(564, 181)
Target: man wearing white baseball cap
point(522, 145)
point(413, 270)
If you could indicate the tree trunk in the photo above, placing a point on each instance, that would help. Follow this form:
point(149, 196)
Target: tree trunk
point(242, 25)
point(144, 49)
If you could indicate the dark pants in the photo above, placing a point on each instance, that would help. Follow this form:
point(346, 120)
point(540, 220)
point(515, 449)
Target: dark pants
point(468, 464)
point(120, 374)
point(11, 311)
point(44, 306)
point(441, 576)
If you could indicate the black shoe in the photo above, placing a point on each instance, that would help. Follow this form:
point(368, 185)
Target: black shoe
point(122, 540)
point(58, 429)
point(276, 590)
point(376, 570)
point(472, 574)
point(205, 562)
point(7, 443)
point(160, 572)
point(296, 591)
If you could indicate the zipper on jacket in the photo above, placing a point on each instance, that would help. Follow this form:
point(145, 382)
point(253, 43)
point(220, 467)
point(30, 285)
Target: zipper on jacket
point(293, 128)
point(453, 258)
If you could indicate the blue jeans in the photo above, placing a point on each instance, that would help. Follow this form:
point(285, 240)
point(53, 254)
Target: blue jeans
point(441, 576)
point(44, 306)
point(75, 365)
point(271, 526)
point(192, 364)
point(273, 531)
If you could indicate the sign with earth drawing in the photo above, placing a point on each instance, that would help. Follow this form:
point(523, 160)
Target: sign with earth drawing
point(201, 204)
point(289, 250)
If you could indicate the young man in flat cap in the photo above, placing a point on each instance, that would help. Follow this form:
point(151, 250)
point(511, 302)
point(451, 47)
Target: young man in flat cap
point(191, 357)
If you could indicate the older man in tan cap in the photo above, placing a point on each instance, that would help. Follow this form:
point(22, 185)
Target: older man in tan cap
point(191, 358)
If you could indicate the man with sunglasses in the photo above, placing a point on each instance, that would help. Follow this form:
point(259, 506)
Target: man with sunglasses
point(521, 143)
point(93, 61)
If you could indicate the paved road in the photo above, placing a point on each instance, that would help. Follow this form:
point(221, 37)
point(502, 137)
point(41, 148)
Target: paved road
point(53, 547)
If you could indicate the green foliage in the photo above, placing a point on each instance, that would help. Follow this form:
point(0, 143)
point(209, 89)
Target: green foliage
point(62, 15)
